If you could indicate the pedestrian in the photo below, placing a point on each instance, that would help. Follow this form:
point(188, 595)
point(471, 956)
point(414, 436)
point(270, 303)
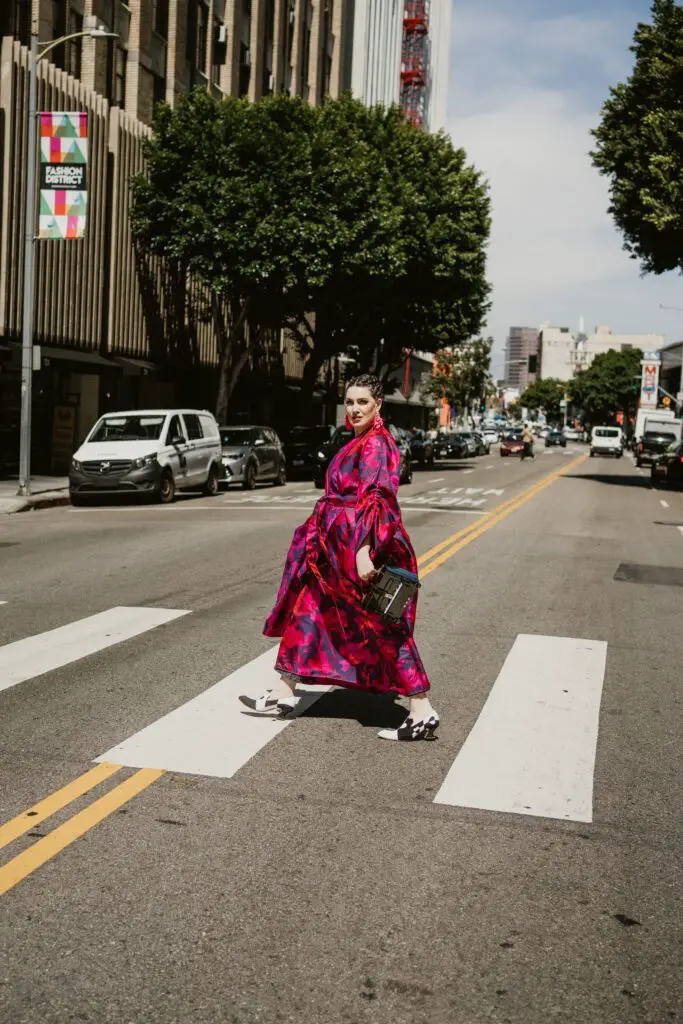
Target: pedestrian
point(528, 439)
point(327, 634)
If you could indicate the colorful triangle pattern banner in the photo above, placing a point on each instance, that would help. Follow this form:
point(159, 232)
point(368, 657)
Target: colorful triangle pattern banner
point(63, 140)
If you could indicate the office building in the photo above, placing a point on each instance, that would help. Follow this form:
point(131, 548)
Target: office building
point(521, 352)
point(563, 353)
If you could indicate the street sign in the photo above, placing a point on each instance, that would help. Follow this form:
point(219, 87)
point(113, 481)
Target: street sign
point(63, 175)
point(649, 383)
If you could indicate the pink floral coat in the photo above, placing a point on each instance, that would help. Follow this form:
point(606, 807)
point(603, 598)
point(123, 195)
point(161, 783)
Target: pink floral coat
point(327, 636)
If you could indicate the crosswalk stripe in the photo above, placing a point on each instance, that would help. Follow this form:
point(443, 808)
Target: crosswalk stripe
point(532, 749)
point(35, 655)
point(213, 734)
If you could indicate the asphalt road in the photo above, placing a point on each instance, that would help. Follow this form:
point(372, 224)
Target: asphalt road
point(321, 882)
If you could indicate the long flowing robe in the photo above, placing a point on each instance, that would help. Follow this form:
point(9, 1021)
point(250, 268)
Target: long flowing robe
point(327, 635)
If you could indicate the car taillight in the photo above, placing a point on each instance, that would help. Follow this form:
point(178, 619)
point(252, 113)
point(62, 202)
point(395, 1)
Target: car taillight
point(681, 459)
point(641, 447)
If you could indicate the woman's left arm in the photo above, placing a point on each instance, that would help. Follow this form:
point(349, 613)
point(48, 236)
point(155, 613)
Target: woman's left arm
point(377, 513)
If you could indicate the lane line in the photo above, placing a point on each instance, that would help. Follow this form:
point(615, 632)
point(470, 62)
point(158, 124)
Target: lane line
point(24, 864)
point(36, 655)
point(24, 822)
point(437, 508)
point(680, 530)
point(489, 523)
point(437, 480)
point(664, 504)
point(495, 511)
point(213, 734)
point(532, 749)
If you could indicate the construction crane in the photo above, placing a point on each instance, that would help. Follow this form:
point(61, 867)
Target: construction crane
point(415, 60)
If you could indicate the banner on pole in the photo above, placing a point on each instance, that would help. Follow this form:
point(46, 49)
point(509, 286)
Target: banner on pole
point(63, 174)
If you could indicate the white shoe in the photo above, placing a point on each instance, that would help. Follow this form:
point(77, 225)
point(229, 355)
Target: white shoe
point(266, 704)
point(424, 729)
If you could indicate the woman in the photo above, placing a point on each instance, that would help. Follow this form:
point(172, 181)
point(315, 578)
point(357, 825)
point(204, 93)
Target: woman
point(327, 635)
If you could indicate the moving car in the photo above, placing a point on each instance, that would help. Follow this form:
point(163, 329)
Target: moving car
point(301, 446)
point(607, 441)
point(555, 439)
point(572, 434)
point(667, 468)
point(252, 455)
point(482, 443)
point(512, 443)
point(491, 435)
point(152, 452)
point(422, 448)
point(654, 443)
point(342, 436)
point(451, 446)
point(470, 443)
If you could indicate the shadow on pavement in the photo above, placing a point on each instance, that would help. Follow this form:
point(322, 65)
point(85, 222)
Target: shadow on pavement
point(369, 709)
point(620, 480)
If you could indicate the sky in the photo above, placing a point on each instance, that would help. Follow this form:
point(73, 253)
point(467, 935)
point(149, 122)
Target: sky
point(527, 81)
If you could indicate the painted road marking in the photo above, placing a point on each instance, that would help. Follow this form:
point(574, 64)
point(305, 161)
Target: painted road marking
point(24, 822)
point(3, 602)
point(680, 530)
point(438, 480)
point(532, 749)
point(24, 864)
point(25, 659)
point(664, 504)
point(213, 734)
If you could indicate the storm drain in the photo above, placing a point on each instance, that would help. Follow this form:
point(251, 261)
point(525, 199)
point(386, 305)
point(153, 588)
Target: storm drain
point(655, 575)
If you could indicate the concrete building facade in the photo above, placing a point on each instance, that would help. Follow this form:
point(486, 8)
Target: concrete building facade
point(563, 353)
point(520, 348)
point(439, 64)
point(376, 55)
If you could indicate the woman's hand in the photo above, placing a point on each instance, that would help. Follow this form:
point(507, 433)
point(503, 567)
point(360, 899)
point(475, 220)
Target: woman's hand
point(364, 566)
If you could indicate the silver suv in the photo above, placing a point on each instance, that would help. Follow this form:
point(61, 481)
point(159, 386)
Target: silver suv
point(252, 455)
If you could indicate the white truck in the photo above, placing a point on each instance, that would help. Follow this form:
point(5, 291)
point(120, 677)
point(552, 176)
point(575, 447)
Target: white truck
point(648, 420)
point(659, 430)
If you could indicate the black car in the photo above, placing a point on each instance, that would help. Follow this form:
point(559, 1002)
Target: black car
point(421, 448)
point(451, 446)
point(555, 439)
point(667, 468)
point(301, 446)
point(653, 444)
point(342, 436)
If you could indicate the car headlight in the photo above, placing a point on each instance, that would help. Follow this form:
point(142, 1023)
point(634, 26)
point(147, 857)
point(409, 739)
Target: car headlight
point(75, 464)
point(145, 460)
point(321, 455)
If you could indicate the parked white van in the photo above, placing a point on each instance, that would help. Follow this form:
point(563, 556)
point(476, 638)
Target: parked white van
point(607, 441)
point(148, 451)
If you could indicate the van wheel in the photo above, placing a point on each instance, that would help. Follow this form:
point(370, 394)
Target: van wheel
point(281, 479)
point(166, 492)
point(249, 482)
point(211, 485)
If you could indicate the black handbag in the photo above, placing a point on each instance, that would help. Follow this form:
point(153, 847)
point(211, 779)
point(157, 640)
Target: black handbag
point(390, 591)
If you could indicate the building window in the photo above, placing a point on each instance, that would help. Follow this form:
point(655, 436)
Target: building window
point(305, 59)
point(202, 27)
point(117, 56)
point(160, 17)
point(22, 22)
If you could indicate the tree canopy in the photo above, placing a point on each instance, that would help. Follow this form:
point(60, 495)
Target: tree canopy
point(545, 395)
point(462, 375)
point(610, 384)
point(342, 223)
point(640, 144)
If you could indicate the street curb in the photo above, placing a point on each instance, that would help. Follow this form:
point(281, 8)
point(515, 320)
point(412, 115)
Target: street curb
point(50, 499)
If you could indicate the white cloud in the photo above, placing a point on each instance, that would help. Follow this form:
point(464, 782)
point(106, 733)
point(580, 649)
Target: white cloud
point(525, 92)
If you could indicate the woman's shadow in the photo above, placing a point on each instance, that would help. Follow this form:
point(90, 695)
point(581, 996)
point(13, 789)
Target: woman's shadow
point(371, 710)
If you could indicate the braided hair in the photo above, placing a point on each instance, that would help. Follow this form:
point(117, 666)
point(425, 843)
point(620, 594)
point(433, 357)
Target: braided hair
point(369, 381)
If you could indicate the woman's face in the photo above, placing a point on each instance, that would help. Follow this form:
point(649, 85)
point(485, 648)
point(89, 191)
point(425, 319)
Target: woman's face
point(361, 408)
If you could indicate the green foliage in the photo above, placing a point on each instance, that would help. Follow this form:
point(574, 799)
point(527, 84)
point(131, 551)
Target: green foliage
point(640, 144)
point(608, 385)
point(546, 396)
point(462, 375)
point(343, 223)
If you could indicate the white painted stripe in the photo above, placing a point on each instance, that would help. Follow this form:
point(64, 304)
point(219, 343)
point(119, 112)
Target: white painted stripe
point(25, 659)
point(680, 530)
point(532, 749)
point(466, 472)
point(664, 504)
point(436, 508)
point(437, 480)
point(3, 602)
point(213, 734)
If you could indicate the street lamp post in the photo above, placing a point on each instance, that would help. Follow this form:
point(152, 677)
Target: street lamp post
point(24, 489)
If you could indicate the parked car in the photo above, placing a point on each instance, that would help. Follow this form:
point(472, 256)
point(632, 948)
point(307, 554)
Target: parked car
point(252, 455)
point(402, 440)
point(470, 443)
point(607, 441)
point(555, 439)
point(512, 443)
point(301, 446)
point(653, 444)
point(491, 435)
point(421, 448)
point(483, 445)
point(327, 452)
point(572, 434)
point(451, 446)
point(667, 468)
point(152, 452)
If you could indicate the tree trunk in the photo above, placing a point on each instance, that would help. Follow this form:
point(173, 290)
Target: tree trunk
point(232, 355)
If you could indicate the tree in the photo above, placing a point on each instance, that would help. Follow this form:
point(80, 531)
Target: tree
point(344, 224)
point(462, 375)
point(640, 144)
point(609, 385)
point(545, 395)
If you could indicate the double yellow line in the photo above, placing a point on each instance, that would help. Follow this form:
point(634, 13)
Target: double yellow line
point(25, 863)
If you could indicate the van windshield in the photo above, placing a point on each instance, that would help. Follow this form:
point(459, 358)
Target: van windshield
point(128, 428)
point(606, 432)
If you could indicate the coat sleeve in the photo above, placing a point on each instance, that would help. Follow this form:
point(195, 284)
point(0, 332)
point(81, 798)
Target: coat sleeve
point(377, 512)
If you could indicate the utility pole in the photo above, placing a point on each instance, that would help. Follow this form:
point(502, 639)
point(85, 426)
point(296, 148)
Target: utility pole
point(97, 32)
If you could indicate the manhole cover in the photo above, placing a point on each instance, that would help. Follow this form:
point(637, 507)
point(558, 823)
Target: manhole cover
point(657, 575)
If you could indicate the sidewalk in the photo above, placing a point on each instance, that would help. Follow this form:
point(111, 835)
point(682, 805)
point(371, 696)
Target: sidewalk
point(45, 491)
